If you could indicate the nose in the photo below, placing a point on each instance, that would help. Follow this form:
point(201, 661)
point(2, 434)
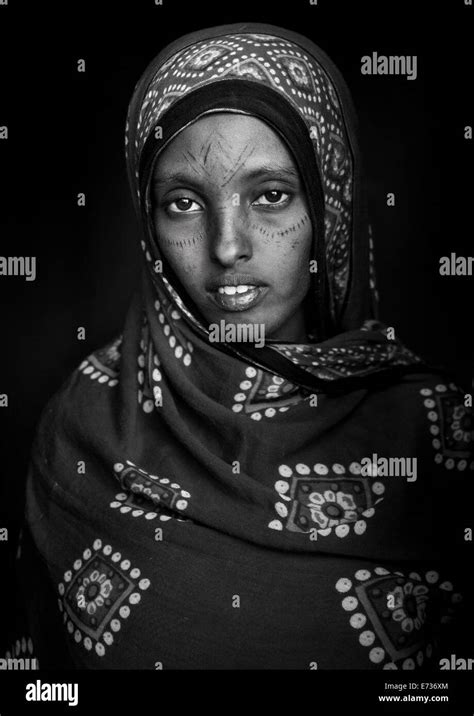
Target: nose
point(230, 238)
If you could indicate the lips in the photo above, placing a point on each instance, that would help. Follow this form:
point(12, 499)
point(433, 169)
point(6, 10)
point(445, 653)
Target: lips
point(236, 292)
point(239, 301)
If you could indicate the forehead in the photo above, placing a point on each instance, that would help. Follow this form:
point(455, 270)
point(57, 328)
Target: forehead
point(223, 139)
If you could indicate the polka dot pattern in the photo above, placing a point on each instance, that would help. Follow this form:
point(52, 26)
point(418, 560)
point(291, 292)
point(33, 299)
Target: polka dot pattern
point(168, 318)
point(150, 371)
point(23, 648)
point(103, 366)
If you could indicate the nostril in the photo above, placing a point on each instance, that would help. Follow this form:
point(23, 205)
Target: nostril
point(229, 249)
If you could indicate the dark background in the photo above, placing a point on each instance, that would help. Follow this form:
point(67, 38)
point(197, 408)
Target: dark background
point(66, 135)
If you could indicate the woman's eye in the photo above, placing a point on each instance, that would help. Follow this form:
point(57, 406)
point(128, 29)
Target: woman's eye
point(272, 197)
point(183, 205)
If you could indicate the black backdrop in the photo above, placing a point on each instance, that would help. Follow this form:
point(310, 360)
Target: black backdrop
point(66, 136)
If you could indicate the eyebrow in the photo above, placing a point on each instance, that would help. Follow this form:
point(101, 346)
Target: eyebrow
point(273, 172)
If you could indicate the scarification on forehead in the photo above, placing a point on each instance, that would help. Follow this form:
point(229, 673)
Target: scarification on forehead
point(205, 151)
point(192, 161)
point(215, 160)
point(244, 155)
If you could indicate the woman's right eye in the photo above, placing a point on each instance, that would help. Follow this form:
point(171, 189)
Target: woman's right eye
point(183, 205)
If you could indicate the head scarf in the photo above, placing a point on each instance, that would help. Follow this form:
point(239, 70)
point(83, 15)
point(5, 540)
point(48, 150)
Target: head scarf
point(245, 458)
point(291, 85)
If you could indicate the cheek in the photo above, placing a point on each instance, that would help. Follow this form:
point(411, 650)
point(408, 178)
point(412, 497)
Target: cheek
point(291, 262)
point(174, 236)
point(182, 247)
point(186, 265)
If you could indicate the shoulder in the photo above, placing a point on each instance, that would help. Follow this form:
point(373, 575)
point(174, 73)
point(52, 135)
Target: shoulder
point(79, 402)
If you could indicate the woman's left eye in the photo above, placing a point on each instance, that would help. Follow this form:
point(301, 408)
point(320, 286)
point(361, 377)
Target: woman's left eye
point(272, 197)
point(183, 205)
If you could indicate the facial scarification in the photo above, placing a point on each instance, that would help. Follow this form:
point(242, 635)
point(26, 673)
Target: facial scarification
point(183, 243)
point(215, 162)
point(302, 221)
point(230, 205)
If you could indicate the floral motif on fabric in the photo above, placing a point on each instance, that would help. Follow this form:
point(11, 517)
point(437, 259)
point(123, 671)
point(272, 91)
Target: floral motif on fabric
point(97, 594)
point(397, 616)
point(451, 426)
point(325, 499)
point(250, 69)
point(298, 71)
point(203, 58)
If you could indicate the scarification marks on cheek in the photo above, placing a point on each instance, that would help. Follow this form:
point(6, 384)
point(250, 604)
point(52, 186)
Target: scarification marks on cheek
point(284, 232)
point(262, 230)
point(297, 225)
point(184, 243)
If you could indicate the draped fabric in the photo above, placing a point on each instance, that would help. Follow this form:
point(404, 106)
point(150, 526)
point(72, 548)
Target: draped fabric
point(200, 505)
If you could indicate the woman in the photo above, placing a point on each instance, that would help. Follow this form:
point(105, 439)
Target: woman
point(200, 502)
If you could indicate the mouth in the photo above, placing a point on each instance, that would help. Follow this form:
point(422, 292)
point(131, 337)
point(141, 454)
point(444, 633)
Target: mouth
point(240, 297)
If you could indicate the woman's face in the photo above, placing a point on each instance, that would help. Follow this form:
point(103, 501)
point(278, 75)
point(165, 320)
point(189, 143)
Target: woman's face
point(231, 218)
